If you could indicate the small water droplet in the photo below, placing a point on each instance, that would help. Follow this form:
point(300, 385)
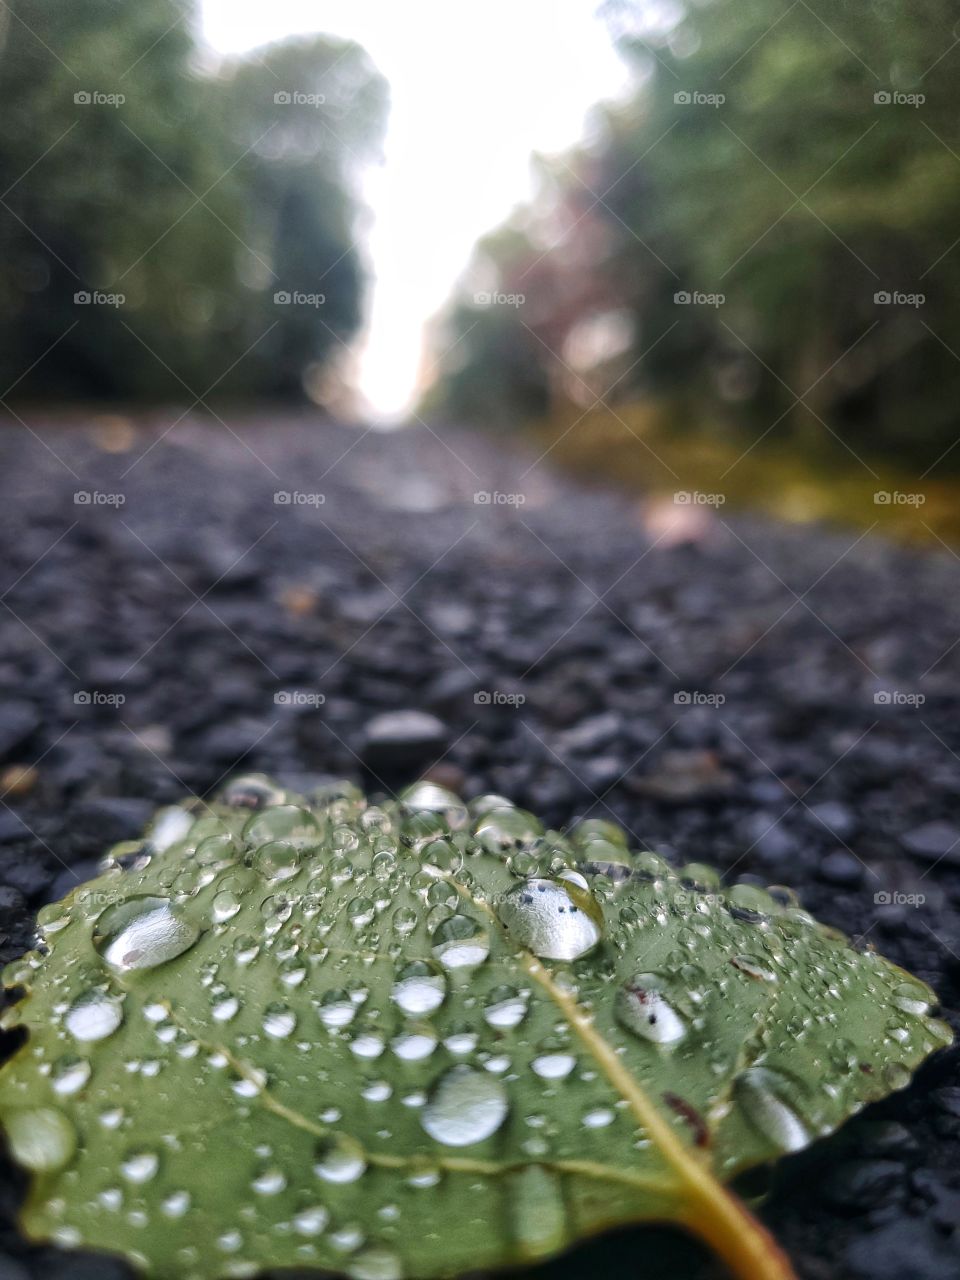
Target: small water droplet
point(505, 1008)
point(140, 1166)
point(460, 943)
point(277, 860)
point(339, 1160)
point(69, 1074)
point(643, 1005)
point(279, 1021)
point(553, 1066)
point(418, 990)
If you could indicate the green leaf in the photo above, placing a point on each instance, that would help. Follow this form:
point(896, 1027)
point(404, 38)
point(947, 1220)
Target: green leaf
point(425, 1038)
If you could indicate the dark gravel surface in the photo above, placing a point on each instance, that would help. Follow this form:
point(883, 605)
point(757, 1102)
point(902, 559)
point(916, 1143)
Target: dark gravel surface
point(571, 651)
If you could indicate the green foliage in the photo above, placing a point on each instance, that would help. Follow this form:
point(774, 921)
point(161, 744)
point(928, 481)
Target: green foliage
point(798, 198)
point(420, 1039)
point(197, 198)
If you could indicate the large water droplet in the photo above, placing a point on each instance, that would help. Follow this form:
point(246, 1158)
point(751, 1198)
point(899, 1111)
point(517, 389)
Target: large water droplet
point(286, 822)
point(465, 1106)
point(553, 919)
point(643, 1006)
point(40, 1138)
point(277, 860)
point(764, 1095)
point(142, 932)
point(93, 1016)
point(418, 990)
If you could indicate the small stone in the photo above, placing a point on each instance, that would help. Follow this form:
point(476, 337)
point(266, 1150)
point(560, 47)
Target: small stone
point(933, 840)
point(842, 869)
point(402, 743)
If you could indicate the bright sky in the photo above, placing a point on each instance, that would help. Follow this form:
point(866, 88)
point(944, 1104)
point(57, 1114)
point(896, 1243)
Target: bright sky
point(476, 86)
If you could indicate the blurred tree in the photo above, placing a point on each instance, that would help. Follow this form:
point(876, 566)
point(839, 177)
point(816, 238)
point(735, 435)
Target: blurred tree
point(800, 162)
point(129, 168)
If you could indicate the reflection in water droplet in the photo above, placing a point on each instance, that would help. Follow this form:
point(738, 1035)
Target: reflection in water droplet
point(465, 1106)
point(142, 932)
point(460, 943)
point(279, 1021)
point(251, 791)
point(504, 1008)
point(374, 1264)
point(643, 1007)
point(418, 990)
point(140, 1166)
point(554, 920)
point(336, 1009)
point(40, 1138)
point(554, 1066)
point(311, 1221)
point(763, 1095)
point(339, 1160)
point(69, 1074)
point(93, 1016)
point(277, 860)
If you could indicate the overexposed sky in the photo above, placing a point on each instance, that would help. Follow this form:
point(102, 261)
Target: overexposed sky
point(476, 86)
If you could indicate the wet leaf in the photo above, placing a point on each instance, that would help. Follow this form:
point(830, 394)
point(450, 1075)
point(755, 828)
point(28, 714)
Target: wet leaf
point(423, 1039)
